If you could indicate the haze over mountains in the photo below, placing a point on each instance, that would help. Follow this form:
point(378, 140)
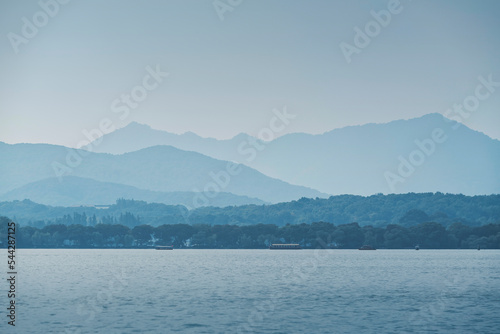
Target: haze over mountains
point(28, 170)
point(73, 190)
point(397, 157)
point(426, 154)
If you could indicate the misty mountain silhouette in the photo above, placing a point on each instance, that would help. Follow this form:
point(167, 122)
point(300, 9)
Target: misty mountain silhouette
point(158, 168)
point(364, 160)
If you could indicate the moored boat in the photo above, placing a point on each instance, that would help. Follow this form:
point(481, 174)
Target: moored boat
point(367, 247)
point(285, 246)
point(164, 247)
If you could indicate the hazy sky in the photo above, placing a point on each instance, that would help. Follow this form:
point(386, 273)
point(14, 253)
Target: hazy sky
point(226, 76)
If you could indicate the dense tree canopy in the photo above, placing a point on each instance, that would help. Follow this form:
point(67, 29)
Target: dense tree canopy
point(314, 235)
point(383, 221)
point(378, 210)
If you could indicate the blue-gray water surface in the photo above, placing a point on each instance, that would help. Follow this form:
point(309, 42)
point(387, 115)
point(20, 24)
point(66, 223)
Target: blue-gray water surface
point(256, 291)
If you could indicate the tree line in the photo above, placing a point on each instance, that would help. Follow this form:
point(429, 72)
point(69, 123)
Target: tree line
point(429, 235)
point(377, 210)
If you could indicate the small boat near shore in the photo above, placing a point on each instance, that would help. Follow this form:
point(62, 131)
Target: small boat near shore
point(367, 247)
point(164, 247)
point(285, 246)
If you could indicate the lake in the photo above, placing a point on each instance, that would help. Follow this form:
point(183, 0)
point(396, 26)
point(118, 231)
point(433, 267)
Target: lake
point(256, 291)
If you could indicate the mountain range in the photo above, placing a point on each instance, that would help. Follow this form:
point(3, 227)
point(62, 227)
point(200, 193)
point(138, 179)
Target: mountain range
point(426, 154)
point(41, 171)
point(73, 190)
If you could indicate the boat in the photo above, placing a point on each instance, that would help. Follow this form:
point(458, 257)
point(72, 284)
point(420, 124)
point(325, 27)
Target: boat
point(164, 247)
point(367, 247)
point(417, 247)
point(285, 246)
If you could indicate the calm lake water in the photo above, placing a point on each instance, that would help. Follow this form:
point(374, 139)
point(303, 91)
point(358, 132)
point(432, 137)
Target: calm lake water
point(256, 291)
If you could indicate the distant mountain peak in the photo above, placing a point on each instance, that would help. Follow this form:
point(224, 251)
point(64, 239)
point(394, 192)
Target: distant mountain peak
point(136, 125)
point(241, 136)
point(190, 134)
point(437, 117)
point(433, 115)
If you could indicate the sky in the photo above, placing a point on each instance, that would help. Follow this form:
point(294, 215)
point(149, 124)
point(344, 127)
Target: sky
point(230, 69)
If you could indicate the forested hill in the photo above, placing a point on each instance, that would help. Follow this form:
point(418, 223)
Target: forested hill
point(377, 210)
